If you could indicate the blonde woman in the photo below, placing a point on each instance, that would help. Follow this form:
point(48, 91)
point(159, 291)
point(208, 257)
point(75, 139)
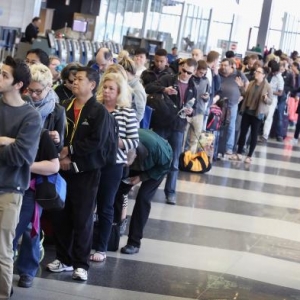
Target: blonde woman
point(113, 94)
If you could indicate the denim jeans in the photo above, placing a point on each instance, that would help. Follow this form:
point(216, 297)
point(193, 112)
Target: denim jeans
point(29, 252)
point(111, 176)
point(175, 139)
point(280, 112)
point(231, 128)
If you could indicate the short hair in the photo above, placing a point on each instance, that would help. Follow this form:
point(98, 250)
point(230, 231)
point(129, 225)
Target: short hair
point(161, 52)
point(273, 65)
point(174, 48)
point(20, 71)
point(107, 54)
point(253, 56)
point(139, 51)
point(52, 57)
point(41, 54)
point(212, 56)
point(296, 64)
point(41, 74)
point(201, 65)
point(129, 65)
point(229, 54)
point(35, 19)
point(70, 68)
point(190, 62)
point(92, 75)
point(125, 92)
point(230, 61)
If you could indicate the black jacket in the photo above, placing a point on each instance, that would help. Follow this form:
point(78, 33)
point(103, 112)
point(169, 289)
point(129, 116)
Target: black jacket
point(152, 74)
point(171, 80)
point(57, 121)
point(87, 140)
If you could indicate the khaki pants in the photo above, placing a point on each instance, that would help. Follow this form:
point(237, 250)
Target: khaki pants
point(10, 205)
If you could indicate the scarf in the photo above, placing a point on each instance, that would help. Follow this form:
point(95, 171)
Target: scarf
point(46, 105)
point(254, 95)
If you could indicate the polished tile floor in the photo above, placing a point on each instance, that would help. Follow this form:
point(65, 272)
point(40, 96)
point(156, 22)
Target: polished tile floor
point(234, 234)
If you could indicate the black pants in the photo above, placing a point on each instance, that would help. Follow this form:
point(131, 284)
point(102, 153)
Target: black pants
point(297, 130)
point(73, 226)
point(141, 208)
point(254, 123)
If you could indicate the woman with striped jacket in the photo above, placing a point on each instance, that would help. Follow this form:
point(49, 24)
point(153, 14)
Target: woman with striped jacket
point(115, 95)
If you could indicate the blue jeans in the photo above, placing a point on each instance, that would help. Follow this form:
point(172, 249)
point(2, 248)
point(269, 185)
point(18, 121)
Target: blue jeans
point(231, 128)
point(111, 176)
point(175, 139)
point(280, 111)
point(29, 252)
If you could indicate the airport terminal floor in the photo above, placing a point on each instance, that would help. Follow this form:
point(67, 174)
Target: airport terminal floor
point(234, 234)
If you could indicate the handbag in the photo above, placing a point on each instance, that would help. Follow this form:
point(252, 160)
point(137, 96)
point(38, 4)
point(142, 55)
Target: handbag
point(50, 191)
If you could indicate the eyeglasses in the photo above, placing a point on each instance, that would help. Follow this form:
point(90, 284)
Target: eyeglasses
point(37, 92)
point(259, 72)
point(187, 72)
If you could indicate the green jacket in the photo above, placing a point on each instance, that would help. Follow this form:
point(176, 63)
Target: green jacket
point(156, 160)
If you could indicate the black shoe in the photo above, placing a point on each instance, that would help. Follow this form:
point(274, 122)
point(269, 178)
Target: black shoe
point(11, 292)
point(129, 249)
point(279, 139)
point(171, 200)
point(25, 281)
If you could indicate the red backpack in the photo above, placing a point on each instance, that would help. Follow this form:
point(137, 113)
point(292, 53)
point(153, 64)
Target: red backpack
point(214, 120)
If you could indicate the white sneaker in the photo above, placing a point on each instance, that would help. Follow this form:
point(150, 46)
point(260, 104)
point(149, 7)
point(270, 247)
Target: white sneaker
point(80, 274)
point(57, 266)
point(294, 141)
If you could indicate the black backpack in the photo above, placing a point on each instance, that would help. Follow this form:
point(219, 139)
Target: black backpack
point(164, 110)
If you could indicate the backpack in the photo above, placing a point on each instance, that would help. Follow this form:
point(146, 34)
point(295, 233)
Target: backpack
point(164, 110)
point(195, 163)
point(214, 120)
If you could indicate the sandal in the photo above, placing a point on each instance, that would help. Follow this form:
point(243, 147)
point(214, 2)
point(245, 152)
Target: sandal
point(248, 160)
point(98, 256)
point(236, 157)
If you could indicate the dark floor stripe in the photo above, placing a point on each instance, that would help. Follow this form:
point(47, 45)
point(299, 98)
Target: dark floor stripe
point(230, 206)
point(242, 184)
point(172, 281)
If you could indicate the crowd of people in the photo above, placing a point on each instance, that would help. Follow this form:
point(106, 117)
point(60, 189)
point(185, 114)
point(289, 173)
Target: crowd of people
point(55, 118)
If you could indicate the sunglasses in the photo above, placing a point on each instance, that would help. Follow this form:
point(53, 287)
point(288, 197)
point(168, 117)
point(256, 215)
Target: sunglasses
point(37, 92)
point(187, 72)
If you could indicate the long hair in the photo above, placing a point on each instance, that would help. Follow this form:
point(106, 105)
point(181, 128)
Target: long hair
point(124, 98)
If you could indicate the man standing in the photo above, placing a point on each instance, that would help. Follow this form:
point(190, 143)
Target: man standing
point(32, 30)
point(20, 127)
point(104, 58)
point(231, 91)
point(81, 160)
point(153, 160)
point(157, 69)
point(197, 54)
point(181, 89)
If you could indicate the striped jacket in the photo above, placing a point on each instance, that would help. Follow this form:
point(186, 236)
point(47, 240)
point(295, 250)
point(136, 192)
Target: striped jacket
point(128, 131)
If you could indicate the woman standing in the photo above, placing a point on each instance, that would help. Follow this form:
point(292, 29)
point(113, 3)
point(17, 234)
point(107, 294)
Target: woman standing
point(44, 99)
point(257, 99)
point(113, 93)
